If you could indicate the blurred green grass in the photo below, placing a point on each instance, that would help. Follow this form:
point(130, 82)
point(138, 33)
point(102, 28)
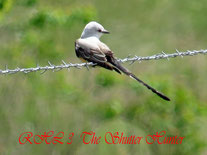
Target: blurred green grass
point(34, 31)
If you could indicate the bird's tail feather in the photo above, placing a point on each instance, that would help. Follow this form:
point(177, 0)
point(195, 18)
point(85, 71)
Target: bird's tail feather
point(127, 72)
point(109, 67)
point(149, 87)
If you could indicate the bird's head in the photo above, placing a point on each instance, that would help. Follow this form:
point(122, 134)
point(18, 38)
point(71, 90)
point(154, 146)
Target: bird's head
point(93, 29)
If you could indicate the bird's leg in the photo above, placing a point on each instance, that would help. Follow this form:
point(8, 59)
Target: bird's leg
point(87, 66)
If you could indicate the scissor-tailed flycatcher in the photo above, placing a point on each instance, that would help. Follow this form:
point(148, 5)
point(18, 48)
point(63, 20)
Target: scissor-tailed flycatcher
point(90, 49)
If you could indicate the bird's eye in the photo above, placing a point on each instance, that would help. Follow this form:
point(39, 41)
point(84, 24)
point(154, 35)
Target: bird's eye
point(99, 30)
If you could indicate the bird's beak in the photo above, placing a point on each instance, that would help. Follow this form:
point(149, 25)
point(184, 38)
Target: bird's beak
point(105, 31)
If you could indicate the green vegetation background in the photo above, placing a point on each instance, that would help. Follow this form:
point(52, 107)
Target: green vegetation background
point(36, 31)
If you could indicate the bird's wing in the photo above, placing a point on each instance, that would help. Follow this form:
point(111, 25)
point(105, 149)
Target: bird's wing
point(93, 53)
point(88, 51)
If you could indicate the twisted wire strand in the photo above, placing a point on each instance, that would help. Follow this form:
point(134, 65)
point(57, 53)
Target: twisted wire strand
point(65, 65)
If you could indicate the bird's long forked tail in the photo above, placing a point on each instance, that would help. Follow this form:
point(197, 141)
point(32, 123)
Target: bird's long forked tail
point(149, 87)
point(127, 72)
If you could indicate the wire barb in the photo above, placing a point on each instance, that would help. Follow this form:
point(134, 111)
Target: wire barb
point(132, 60)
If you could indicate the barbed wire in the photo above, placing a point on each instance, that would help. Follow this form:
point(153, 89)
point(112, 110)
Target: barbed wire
point(65, 65)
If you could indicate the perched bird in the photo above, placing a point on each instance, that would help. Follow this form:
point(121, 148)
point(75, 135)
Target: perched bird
point(90, 49)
